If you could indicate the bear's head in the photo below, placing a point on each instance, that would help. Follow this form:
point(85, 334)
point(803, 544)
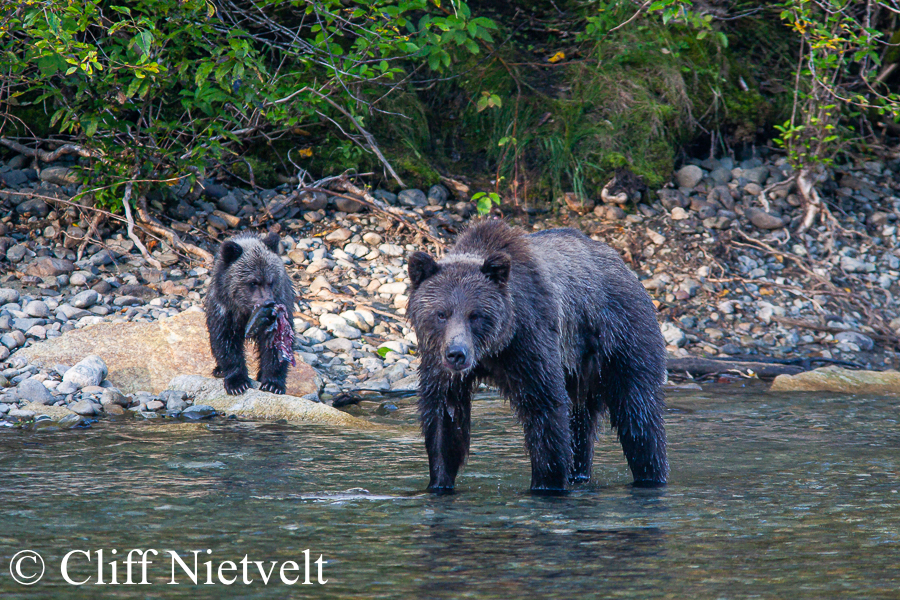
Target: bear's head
point(252, 271)
point(460, 307)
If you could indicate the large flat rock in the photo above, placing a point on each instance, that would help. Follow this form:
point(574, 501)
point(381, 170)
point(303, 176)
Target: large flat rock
point(146, 356)
point(263, 405)
point(836, 379)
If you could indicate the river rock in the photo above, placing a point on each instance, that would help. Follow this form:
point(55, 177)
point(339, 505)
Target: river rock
point(839, 380)
point(145, 356)
point(49, 267)
point(113, 396)
point(33, 390)
point(437, 195)
point(37, 308)
point(85, 408)
point(864, 342)
point(341, 234)
point(413, 198)
point(85, 299)
point(762, 219)
point(59, 175)
point(56, 413)
point(673, 335)
point(88, 371)
point(8, 295)
point(262, 405)
point(689, 176)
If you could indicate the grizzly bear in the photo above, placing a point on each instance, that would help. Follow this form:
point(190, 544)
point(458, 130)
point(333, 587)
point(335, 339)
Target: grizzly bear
point(251, 296)
point(566, 332)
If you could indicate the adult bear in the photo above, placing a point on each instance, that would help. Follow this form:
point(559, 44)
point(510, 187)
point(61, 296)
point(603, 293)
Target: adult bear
point(562, 327)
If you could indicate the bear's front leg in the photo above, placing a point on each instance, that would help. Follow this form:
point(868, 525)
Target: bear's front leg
point(226, 340)
point(273, 371)
point(445, 410)
point(543, 407)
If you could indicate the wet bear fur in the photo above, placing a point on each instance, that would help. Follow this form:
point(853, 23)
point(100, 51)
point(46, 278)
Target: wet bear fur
point(247, 273)
point(564, 329)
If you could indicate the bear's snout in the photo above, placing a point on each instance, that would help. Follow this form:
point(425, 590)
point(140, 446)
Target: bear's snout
point(458, 357)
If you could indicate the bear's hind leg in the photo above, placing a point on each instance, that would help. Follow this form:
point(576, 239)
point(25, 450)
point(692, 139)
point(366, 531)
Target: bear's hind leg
point(635, 408)
point(585, 413)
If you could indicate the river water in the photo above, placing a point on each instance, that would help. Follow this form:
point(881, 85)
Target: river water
point(770, 497)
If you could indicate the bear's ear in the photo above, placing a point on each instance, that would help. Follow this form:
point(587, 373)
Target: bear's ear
point(231, 251)
point(271, 242)
point(421, 267)
point(496, 267)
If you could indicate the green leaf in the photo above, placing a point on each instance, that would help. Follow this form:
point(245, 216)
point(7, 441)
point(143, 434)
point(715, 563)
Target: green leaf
point(382, 352)
point(90, 127)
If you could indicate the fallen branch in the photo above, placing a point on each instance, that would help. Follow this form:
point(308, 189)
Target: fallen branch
point(92, 230)
point(706, 366)
point(892, 340)
point(363, 197)
point(49, 157)
point(149, 222)
point(126, 204)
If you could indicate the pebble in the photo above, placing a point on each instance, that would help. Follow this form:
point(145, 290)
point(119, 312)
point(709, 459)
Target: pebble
point(393, 288)
point(679, 214)
point(113, 396)
point(339, 235)
point(673, 335)
point(413, 198)
point(8, 296)
point(84, 408)
point(38, 309)
point(391, 249)
point(764, 220)
point(127, 301)
point(85, 299)
point(198, 411)
point(863, 342)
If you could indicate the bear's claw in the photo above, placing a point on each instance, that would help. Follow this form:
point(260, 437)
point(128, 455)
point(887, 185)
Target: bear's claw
point(272, 387)
point(236, 385)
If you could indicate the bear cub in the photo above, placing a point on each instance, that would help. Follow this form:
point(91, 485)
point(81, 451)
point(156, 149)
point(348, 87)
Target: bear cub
point(250, 287)
point(560, 324)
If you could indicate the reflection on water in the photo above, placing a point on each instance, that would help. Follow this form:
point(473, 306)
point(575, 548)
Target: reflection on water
point(769, 497)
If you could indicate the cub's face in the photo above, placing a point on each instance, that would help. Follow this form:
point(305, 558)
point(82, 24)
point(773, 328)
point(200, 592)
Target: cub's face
point(459, 307)
point(252, 271)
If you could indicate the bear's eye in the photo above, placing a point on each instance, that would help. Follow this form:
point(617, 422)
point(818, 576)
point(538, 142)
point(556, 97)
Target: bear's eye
point(475, 317)
point(442, 315)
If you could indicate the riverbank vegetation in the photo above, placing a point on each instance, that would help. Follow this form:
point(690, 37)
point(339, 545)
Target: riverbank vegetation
point(529, 99)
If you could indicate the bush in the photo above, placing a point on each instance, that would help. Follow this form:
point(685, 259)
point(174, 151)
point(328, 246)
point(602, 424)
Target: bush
point(161, 87)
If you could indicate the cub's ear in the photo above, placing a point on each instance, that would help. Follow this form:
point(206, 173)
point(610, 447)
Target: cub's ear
point(271, 242)
point(231, 251)
point(496, 267)
point(421, 267)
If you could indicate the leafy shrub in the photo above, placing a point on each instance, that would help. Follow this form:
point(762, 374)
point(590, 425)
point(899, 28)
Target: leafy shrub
point(161, 86)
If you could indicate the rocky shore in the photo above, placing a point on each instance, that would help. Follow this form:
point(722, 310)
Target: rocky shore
point(731, 279)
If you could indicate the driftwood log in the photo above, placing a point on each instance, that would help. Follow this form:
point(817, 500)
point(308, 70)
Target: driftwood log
point(697, 366)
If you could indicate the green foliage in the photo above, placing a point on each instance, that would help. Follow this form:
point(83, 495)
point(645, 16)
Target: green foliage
point(485, 201)
point(837, 76)
point(160, 86)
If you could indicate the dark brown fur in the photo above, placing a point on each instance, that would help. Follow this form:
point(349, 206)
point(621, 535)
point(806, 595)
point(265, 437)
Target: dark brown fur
point(562, 327)
point(247, 274)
